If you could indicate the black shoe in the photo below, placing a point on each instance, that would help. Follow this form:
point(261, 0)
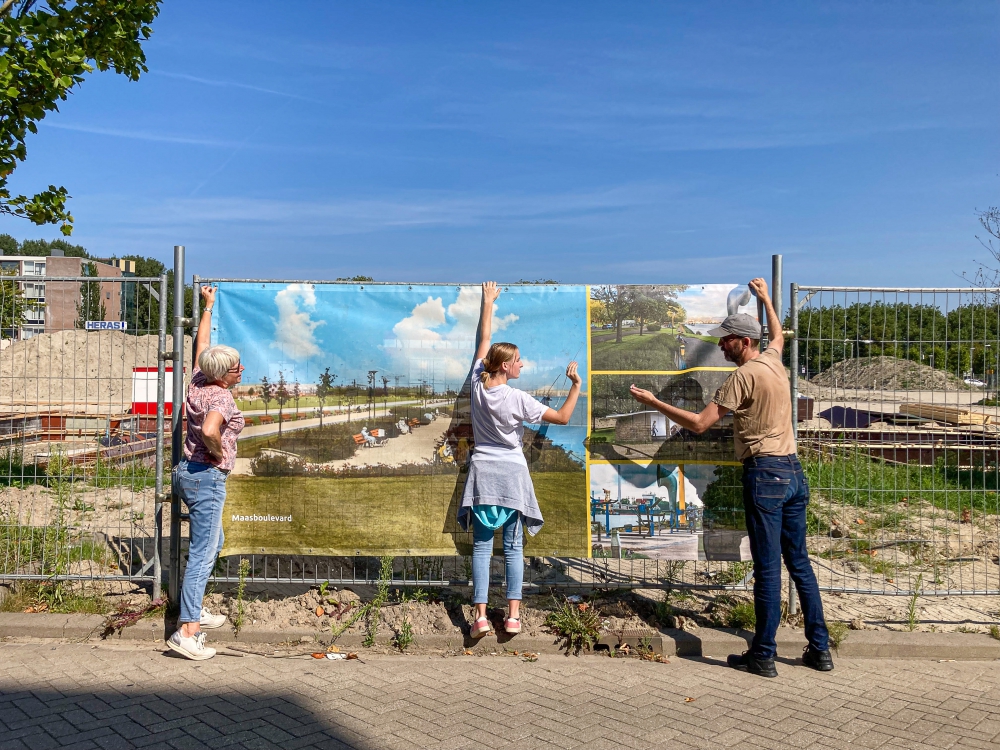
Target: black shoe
point(750, 663)
point(821, 661)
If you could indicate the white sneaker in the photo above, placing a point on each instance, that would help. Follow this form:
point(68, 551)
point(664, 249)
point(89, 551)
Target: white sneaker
point(208, 620)
point(192, 647)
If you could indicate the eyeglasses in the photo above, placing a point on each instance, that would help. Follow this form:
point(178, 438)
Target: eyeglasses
point(237, 368)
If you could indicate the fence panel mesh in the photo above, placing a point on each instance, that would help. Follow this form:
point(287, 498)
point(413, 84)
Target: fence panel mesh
point(81, 434)
point(898, 433)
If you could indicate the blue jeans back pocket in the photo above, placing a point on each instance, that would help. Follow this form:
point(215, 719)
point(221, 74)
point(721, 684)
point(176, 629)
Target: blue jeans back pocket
point(187, 486)
point(769, 490)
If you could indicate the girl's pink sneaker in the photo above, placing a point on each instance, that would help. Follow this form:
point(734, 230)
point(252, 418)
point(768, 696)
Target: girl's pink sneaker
point(512, 625)
point(480, 628)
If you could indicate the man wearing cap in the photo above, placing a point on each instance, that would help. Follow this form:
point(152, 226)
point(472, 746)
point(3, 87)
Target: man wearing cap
point(775, 492)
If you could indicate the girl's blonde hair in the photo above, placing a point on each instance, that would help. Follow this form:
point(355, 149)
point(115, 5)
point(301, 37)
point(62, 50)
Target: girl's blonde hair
point(499, 353)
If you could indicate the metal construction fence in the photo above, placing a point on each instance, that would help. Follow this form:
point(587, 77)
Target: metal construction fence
point(81, 425)
point(894, 393)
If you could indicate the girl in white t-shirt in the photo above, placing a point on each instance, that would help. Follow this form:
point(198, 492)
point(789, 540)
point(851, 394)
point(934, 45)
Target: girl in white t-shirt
point(498, 492)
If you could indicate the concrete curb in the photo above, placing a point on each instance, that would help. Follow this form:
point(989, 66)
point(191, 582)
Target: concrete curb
point(703, 642)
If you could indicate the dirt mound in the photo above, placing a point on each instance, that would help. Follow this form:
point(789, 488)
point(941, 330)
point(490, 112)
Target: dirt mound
point(76, 368)
point(887, 374)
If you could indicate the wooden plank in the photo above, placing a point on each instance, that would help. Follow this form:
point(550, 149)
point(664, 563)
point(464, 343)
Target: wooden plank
point(948, 414)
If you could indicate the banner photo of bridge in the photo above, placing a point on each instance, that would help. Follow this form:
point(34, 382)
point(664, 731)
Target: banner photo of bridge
point(358, 430)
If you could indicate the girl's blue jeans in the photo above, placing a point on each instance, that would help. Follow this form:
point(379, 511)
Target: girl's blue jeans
point(203, 489)
point(482, 552)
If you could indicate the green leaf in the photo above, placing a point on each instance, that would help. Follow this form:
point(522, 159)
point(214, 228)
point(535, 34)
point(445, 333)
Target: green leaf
point(12, 92)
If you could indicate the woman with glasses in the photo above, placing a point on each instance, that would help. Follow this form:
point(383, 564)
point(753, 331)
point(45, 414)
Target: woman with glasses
point(213, 425)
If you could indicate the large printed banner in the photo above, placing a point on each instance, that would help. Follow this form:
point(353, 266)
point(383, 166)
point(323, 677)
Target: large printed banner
point(358, 430)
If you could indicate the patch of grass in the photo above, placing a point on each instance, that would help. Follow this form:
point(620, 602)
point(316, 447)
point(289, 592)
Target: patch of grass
point(651, 351)
point(402, 515)
point(854, 478)
point(53, 596)
point(995, 632)
point(967, 629)
point(579, 625)
point(15, 473)
point(838, 632)
point(133, 475)
point(742, 615)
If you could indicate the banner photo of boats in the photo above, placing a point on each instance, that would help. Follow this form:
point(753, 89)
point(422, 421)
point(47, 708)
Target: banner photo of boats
point(356, 398)
point(658, 490)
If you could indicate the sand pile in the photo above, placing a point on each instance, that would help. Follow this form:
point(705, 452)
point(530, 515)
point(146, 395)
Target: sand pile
point(77, 368)
point(888, 374)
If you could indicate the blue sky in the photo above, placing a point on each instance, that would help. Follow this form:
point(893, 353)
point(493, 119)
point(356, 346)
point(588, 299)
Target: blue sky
point(416, 333)
point(584, 142)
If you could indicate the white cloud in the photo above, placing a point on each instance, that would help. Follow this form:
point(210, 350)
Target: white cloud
point(294, 328)
point(434, 342)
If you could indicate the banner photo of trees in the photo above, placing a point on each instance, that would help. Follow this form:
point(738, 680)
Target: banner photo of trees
point(356, 398)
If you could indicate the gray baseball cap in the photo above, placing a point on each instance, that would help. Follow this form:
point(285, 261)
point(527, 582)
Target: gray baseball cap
point(741, 325)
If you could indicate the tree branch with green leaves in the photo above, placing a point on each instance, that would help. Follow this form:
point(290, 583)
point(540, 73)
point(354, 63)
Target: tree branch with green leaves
point(47, 50)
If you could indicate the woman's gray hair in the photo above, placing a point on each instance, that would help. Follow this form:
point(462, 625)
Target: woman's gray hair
point(217, 360)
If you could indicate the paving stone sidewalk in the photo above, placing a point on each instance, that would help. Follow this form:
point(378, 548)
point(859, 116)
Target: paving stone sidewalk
point(122, 696)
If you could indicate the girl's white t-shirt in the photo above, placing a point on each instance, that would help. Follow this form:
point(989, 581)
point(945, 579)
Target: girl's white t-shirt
point(498, 417)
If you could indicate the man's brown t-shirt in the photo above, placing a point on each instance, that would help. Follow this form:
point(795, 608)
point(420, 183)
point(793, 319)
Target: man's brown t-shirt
point(758, 395)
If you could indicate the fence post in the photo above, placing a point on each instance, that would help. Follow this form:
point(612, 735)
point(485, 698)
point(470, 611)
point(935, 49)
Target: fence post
point(793, 361)
point(195, 316)
point(161, 355)
point(177, 425)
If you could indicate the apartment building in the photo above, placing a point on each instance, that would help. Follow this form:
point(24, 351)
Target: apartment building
point(56, 302)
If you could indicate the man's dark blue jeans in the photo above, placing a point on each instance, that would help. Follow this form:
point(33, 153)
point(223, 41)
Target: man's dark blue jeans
point(775, 495)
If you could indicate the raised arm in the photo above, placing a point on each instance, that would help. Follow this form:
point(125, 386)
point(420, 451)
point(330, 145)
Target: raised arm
point(564, 412)
point(775, 334)
point(204, 336)
point(490, 293)
point(696, 422)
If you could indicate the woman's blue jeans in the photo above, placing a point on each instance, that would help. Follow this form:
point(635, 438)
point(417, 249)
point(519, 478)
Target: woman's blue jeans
point(775, 495)
point(482, 552)
point(202, 487)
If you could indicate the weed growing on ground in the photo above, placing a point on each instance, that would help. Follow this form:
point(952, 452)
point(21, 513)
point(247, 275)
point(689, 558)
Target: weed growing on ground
point(911, 608)
point(734, 573)
point(578, 624)
point(742, 615)
point(414, 595)
point(322, 589)
point(237, 614)
point(404, 636)
point(967, 629)
point(374, 608)
point(995, 632)
point(663, 612)
point(838, 632)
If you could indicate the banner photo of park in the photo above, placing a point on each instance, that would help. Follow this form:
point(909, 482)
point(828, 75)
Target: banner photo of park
point(358, 428)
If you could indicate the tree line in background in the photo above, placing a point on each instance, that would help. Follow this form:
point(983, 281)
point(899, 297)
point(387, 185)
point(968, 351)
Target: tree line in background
point(964, 341)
